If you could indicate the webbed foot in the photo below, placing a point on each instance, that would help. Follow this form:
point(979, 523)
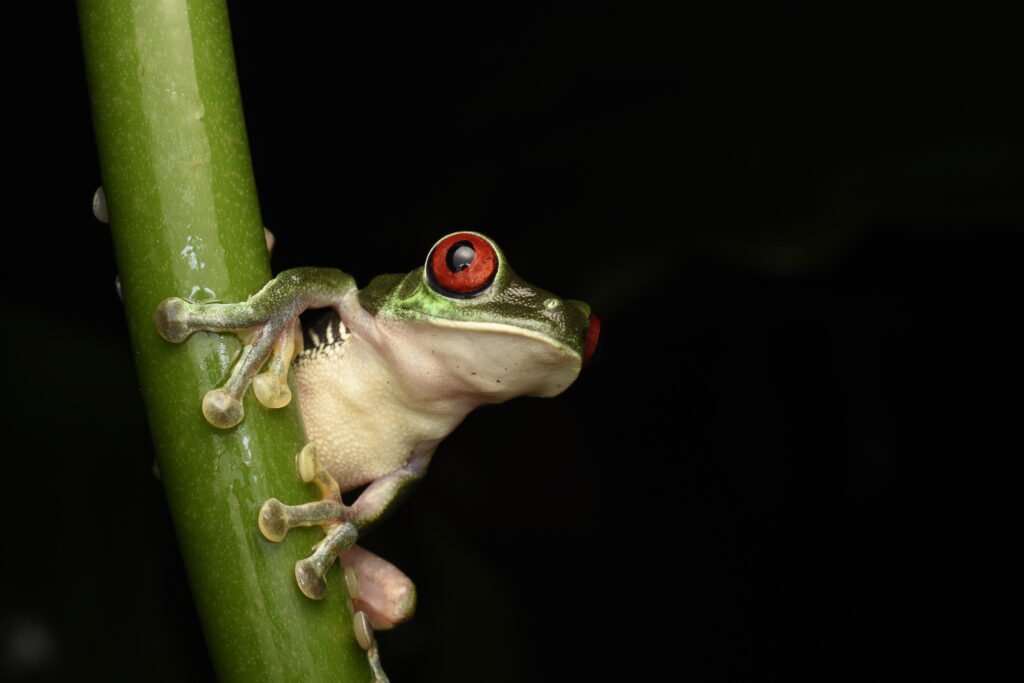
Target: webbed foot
point(268, 326)
point(273, 338)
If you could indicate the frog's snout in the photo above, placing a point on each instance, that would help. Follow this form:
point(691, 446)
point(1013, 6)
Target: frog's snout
point(590, 343)
point(592, 330)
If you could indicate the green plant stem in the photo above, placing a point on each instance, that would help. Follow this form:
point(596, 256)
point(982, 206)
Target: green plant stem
point(185, 220)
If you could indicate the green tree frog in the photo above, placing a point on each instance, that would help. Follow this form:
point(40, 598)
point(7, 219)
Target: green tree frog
point(381, 380)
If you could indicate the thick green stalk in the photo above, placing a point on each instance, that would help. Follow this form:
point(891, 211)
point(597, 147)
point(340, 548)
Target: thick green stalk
point(185, 221)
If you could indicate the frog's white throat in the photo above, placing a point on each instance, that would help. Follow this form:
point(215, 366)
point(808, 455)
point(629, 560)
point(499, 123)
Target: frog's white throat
point(474, 362)
point(376, 394)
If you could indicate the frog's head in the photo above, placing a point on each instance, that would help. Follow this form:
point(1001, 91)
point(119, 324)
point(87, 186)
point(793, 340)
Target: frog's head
point(466, 322)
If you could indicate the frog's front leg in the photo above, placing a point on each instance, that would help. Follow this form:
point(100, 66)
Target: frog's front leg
point(267, 324)
point(382, 595)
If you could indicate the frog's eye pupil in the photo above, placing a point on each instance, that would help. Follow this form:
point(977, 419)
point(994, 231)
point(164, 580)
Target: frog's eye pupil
point(462, 265)
point(461, 256)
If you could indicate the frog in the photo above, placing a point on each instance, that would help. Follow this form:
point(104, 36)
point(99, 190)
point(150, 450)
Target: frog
point(382, 378)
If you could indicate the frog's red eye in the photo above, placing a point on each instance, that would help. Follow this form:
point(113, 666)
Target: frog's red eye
point(462, 265)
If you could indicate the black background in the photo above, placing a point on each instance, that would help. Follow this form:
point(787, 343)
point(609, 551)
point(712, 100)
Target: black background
point(801, 229)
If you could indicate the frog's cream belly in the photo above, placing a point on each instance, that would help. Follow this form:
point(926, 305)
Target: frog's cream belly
point(356, 416)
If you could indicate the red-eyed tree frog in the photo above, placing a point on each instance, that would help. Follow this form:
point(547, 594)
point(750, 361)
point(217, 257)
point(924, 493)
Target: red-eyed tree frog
point(381, 380)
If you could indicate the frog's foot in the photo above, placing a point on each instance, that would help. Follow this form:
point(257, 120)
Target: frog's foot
point(378, 588)
point(269, 328)
point(364, 636)
point(99, 205)
point(329, 513)
point(271, 342)
point(382, 596)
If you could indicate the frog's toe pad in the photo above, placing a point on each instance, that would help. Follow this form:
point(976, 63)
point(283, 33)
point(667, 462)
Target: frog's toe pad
point(221, 409)
point(363, 630)
point(306, 463)
point(273, 520)
point(272, 390)
point(172, 319)
point(99, 205)
point(311, 583)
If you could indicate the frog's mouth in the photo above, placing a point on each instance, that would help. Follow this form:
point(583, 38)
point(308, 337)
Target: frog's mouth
point(510, 330)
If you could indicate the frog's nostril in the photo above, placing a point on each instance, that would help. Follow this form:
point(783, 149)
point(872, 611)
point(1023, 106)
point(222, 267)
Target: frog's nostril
point(590, 345)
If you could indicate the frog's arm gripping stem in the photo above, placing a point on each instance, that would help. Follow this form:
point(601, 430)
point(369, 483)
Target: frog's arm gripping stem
point(267, 324)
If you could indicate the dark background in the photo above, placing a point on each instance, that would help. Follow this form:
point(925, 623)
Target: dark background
point(801, 229)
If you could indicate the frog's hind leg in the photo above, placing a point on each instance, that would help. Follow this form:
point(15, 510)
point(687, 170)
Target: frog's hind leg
point(382, 597)
point(268, 326)
point(364, 636)
point(378, 588)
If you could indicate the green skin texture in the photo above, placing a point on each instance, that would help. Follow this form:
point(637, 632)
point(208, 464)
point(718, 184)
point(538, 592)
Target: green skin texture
point(185, 220)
